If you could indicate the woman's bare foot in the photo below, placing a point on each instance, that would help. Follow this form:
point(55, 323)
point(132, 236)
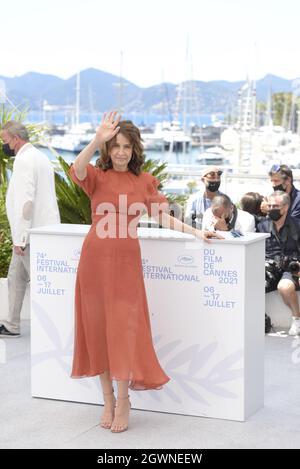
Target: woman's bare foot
point(120, 423)
point(108, 413)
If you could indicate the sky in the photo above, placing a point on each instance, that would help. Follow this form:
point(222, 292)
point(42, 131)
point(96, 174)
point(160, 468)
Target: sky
point(160, 40)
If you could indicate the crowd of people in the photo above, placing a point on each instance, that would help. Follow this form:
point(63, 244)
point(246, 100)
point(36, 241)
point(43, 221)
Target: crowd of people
point(278, 215)
point(112, 326)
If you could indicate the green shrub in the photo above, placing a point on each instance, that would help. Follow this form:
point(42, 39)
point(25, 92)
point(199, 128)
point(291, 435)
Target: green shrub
point(5, 236)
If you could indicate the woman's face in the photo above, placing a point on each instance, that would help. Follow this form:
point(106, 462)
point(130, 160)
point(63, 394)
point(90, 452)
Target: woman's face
point(121, 153)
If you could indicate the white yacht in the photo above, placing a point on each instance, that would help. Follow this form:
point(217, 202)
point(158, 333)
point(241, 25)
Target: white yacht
point(212, 156)
point(168, 136)
point(152, 140)
point(73, 139)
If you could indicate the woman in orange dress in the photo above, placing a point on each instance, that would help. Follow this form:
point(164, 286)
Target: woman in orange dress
point(112, 326)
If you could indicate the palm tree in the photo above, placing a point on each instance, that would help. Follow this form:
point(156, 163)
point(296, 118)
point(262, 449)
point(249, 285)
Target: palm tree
point(73, 203)
point(5, 236)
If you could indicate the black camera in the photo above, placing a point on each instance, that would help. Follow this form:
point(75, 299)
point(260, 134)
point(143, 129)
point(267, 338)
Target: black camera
point(273, 273)
point(290, 264)
point(274, 269)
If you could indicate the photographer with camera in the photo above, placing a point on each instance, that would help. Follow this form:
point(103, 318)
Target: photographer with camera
point(283, 253)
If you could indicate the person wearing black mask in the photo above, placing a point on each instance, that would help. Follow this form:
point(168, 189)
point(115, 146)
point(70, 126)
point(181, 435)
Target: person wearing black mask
point(199, 202)
point(281, 177)
point(283, 246)
point(7, 150)
point(30, 202)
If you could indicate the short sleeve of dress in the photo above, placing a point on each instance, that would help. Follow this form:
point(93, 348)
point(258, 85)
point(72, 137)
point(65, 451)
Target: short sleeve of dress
point(155, 201)
point(88, 184)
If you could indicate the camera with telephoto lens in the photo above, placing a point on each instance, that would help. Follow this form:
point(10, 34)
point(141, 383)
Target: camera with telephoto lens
point(273, 273)
point(290, 264)
point(274, 269)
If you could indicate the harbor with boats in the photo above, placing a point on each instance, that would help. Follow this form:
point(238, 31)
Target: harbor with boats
point(244, 141)
point(245, 149)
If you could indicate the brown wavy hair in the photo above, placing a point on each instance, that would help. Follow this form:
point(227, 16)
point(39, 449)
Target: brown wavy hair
point(132, 133)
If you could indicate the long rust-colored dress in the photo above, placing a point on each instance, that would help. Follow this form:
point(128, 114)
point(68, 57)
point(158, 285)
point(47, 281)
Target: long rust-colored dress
point(112, 326)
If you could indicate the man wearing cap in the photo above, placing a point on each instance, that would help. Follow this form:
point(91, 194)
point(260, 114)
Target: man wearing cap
point(281, 177)
point(199, 202)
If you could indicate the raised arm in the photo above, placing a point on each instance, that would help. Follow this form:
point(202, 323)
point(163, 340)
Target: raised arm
point(105, 132)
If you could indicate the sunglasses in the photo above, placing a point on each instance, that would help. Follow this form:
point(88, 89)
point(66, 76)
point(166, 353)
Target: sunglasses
point(214, 173)
point(275, 168)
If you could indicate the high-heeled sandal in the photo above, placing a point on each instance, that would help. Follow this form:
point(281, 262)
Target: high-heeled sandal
point(105, 422)
point(123, 427)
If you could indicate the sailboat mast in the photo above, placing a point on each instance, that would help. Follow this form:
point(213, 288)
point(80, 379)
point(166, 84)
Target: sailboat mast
point(3, 95)
point(121, 83)
point(185, 95)
point(77, 110)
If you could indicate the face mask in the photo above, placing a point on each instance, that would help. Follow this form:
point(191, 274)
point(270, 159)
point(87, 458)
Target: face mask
point(279, 188)
point(7, 150)
point(212, 186)
point(275, 214)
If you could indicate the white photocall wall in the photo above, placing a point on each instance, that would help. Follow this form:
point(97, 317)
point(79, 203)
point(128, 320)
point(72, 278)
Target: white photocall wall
point(206, 305)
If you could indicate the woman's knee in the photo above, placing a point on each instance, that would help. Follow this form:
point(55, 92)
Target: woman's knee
point(286, 286)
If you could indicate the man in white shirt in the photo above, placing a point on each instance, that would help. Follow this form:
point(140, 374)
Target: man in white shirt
point(30, 202)
point(224, 216)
